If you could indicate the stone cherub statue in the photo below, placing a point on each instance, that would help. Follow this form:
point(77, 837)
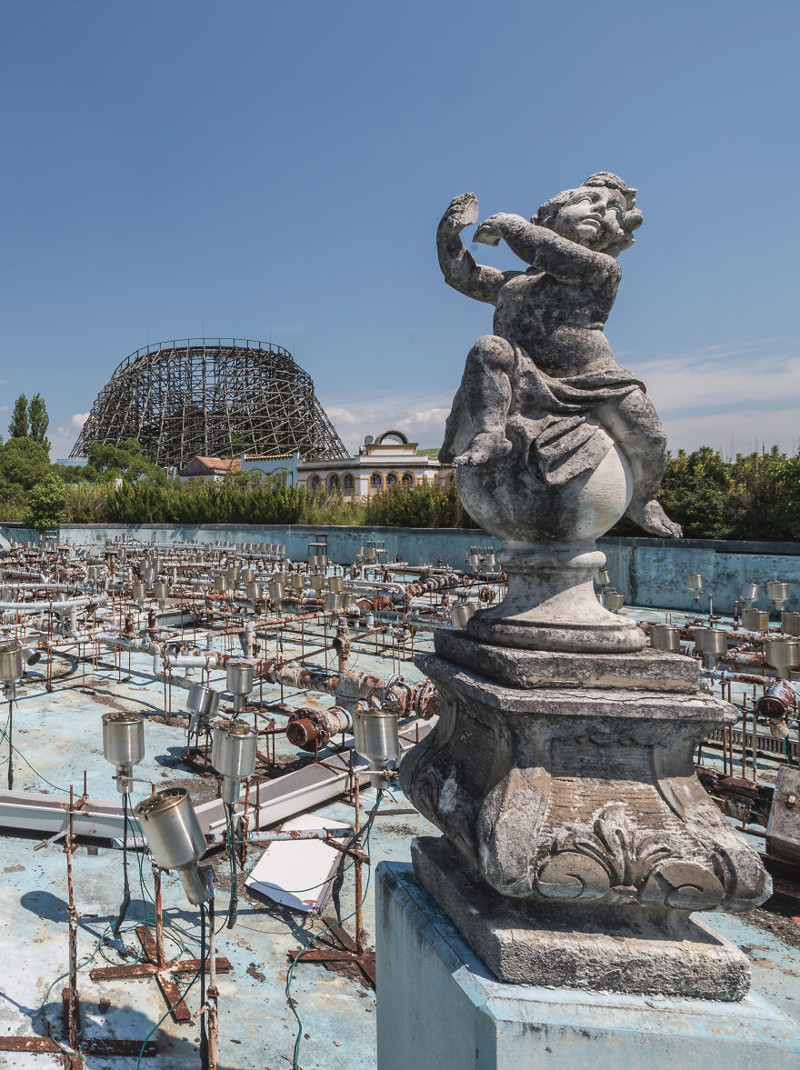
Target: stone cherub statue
point(546, 381)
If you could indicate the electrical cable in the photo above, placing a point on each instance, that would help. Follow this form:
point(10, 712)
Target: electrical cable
point(233, 908)
point(10, 726)
point(365, 834)
point(126, 894)
point(203, 1031)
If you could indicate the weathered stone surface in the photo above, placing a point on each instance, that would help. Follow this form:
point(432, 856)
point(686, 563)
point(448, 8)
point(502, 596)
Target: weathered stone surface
point(648, 951)
point(783, 827)
point(556, 794)
point(643, 670)
point(553, 442)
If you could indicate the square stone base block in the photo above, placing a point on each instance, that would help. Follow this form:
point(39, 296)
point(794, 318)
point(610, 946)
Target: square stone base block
point(439, 1008)
point(622, 949)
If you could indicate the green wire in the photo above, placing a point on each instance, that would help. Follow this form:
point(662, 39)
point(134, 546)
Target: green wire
point(290, 974)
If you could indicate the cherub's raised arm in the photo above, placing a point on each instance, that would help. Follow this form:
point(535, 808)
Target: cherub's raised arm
point(543, 249)
point(458, 265)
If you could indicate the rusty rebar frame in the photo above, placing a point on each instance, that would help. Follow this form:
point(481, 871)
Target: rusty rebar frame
point(211, 397)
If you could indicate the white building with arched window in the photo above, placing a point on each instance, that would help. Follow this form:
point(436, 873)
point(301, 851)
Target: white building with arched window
point(382, 463)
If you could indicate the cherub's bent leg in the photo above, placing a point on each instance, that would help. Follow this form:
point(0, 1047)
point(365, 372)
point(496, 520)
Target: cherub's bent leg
point(475, 430)
point(635, 427)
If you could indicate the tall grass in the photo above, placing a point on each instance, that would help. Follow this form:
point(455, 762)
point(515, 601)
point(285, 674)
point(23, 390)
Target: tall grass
point(237, 501)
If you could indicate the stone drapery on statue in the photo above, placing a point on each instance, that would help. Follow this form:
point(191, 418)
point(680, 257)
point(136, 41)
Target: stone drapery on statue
point(549, 417)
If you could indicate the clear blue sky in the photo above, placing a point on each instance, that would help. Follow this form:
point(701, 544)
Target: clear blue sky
point(247, 168)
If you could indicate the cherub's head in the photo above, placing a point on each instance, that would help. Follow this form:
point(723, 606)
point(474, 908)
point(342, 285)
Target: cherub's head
point(599, 214)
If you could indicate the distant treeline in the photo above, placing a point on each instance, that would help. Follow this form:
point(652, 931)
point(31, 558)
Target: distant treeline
point(754, 496)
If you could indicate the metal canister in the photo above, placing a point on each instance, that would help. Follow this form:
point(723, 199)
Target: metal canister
point(713, 642)
point(233, 755)
point(665, 637)
point(203, 701)
point(175, 838)
point(12, 662)
point(612, 599)
point(376, 736)
point(755, 620)
point(239, 677)
point(778, 591)
point(123, 738)
point(750, 592)
point(783, 654)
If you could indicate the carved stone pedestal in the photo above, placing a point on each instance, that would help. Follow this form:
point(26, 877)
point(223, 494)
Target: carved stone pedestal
point(579, 836)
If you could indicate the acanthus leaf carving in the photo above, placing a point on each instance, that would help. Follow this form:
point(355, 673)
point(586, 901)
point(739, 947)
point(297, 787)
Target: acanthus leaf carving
point(614, 861)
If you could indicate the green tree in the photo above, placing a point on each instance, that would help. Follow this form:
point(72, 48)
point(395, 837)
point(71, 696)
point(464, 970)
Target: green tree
point(46, 503)
point(39, 421)
point(125, 461)
point(23, 462)
point(19, 426)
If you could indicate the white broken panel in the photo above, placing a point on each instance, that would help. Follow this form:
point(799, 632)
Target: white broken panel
point(297, 873)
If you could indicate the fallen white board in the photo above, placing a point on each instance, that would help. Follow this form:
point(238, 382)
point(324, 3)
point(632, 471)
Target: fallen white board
point(297, 873)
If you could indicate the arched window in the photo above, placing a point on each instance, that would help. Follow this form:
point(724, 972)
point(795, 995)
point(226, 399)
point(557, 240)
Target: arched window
point(376, 481)
point(333, 483)
point(391, 479)
point(408, 479)
point(348, 483)
point(314, 482)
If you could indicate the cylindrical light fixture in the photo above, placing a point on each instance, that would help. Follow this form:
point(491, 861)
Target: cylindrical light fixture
point(12, 662)
point(377, 739)
point(696, 583)
point(783, 655)
point(175, 838)
point(233, 755)
point(203, 703)
point(239, 681)
point(612, 599)
point(778, 592)
point(749, 593)
point(123, 745)
point(755, 620)
point(712, 643)
point(665, 637)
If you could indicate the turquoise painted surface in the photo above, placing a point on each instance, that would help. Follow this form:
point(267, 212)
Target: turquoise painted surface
point(439, 1007)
